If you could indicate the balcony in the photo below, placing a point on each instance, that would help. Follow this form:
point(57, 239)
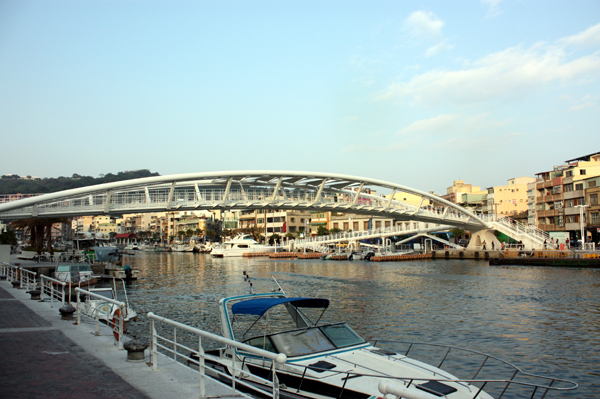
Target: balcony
point(573, 194)
point(572, 211)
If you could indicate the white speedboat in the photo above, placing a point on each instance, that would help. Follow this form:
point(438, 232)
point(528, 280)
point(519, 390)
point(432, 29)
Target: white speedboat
point(328, 359)
point(182, 248)
point(104, 310)
point(239, 245)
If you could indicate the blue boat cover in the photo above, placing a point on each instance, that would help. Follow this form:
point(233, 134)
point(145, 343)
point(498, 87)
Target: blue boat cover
point(259, 306)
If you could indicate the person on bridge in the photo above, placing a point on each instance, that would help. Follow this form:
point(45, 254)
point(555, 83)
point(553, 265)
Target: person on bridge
point(483, 245)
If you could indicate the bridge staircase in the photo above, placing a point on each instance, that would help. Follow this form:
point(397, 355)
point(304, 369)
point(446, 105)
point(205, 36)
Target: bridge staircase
point(531, 237)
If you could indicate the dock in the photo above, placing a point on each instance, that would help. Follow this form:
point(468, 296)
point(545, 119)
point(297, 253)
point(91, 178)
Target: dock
point(45, 356)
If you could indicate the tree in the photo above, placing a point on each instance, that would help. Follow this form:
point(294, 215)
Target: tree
point(8, 237)
point(322, 231)
point(38, 230)
point(335, 230)
point(274, 237)
point(290, 235)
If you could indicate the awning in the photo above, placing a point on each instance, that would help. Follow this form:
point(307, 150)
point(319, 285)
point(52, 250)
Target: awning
point(259, 306)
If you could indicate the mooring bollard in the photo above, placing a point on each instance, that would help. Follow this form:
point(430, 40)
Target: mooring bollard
point(35, 294)
point(66, 312)
point(135, 351)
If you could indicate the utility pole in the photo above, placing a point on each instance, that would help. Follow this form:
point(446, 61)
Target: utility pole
point(581, 223)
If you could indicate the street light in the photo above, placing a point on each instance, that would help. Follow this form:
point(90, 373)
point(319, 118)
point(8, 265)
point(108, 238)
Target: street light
point(581, 222)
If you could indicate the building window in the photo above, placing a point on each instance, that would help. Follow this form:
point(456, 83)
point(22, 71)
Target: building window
point(366, 226)
point(355, 226)
point(335, 225)
point(569, 173)
point(568, 187)
point(592, 183)
point(594, 199)
point(345, 226)
point(378, 224)
point(582, 171)
point(292, 220)
point(594, 218)
point(579, 186)
point(387, 224)
point(301, 220)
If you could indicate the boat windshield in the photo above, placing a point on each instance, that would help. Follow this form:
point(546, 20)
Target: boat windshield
point(313, 340)
point(108, 293)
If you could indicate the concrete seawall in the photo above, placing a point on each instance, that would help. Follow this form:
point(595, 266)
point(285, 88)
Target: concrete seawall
point(465, 254)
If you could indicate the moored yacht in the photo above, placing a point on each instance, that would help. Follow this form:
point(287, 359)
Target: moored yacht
point(327, 359)
point(239, 245)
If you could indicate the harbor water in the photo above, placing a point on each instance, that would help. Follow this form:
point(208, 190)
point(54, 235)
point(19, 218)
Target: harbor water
point(544, 320)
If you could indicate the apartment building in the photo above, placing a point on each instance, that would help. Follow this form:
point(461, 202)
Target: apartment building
point(466, 195)
point(356, 222)
point(510, 199)
point(592, 221)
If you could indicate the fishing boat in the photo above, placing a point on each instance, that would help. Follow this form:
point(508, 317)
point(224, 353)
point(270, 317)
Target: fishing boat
point(328, 359)
point(75, 274)
point(238, 246)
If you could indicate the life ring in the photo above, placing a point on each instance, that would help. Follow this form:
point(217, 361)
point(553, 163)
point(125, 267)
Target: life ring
point(115, 323)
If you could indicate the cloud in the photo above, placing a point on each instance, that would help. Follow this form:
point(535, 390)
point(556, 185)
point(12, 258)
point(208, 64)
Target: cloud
point(424, 25)
point(453, 125)
point(587, 38)
point(512, 73)
point(579, 107)
point(426, 28)
point(437, 124)
point(493, 10)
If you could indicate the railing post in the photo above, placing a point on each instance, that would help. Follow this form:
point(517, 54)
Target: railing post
point(275, 382)
point(201, 370)
point(121, 329)
point(78, 309)
point(154, 351)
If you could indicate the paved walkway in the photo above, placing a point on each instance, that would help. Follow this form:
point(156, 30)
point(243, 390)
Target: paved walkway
point(44, 356)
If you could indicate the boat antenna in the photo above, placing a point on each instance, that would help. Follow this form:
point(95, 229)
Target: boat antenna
point(247, 278)
point(280, 289)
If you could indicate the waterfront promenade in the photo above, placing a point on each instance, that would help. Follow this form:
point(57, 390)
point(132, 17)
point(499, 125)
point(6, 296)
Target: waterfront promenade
point(45, 356)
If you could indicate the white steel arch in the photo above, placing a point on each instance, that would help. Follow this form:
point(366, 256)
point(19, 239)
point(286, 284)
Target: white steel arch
point(244, 190)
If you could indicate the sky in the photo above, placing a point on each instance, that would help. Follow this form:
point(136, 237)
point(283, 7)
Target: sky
point(413, 93)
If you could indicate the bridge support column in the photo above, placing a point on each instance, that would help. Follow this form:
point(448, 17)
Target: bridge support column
point(478, 237)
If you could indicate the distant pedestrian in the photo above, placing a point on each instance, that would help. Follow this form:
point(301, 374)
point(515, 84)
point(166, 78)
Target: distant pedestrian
point(493, 245)
point(483, 245)
point(566, 243)
point(545, 244)
point(502, 246)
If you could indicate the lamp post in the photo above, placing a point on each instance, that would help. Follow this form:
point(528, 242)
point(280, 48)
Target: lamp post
point(581, 222)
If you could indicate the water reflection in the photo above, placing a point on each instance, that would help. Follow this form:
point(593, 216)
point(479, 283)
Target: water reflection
point(544, 319)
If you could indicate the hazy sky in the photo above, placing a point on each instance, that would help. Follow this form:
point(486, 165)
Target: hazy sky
point(415, 93)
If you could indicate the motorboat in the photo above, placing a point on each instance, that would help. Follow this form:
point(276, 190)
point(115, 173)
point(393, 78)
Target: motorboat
point(328, 359)
point(133, 247)
point(182, 248)
point(203, 248)
point(113, 260)
point(104, 310)
point(239, 245)
point(75, 274)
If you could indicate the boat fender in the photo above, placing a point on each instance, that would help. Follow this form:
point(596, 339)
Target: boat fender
point(115, 323)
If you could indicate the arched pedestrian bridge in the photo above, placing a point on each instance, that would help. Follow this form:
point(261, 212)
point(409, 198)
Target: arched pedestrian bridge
point(286, 190)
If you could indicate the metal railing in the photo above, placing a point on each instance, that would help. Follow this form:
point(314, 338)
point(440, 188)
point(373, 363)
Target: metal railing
point(475, 364)
point(49, 289)
point(117, 324)
point(26, 278)
point(175, 348)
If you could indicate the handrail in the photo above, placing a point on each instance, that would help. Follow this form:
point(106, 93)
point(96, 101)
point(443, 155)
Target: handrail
point(28, 278)
point(230, 344)
point(547, 383)
point(47, 286)
point(119, 328)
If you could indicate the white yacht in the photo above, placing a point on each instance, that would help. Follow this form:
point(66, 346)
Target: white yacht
point(239, 245)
